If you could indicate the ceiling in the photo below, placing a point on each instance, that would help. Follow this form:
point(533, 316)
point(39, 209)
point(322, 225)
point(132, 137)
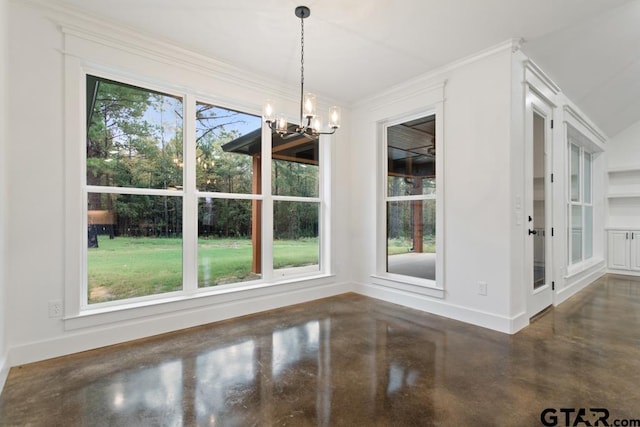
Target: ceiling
point(354, 49)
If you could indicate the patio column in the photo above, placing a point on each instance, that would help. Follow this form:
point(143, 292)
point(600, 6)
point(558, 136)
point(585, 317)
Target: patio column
point(418, 220)
point(256, 216)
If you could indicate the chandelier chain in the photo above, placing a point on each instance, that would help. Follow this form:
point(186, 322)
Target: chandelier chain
point(301, 67)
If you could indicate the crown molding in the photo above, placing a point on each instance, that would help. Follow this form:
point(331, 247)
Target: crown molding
point(537, 72)
point(578, 117)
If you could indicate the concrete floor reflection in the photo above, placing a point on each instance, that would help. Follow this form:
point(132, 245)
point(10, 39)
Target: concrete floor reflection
point(348, 360)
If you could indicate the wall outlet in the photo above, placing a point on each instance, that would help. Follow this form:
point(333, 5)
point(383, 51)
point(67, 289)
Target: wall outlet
point(482, 288)
point(55, 308)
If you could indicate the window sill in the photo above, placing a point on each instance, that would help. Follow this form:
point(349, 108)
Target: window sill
point(176, 302)
point(409, 284)
point(581, 267)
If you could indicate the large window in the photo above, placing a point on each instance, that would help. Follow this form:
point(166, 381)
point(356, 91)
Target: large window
point(227, 163)
point(175, 200)
point(411, 198)
point(134, 196)
point(580, 204)
point(295, 186)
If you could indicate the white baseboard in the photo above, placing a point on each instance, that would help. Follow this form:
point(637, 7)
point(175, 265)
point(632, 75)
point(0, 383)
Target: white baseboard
point(624, 272)
point(4, 372)
point(91, 338)
point(441, 308)
point(578, 282)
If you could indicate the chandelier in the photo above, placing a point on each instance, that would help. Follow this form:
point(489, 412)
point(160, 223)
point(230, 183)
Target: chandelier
point(310, 122)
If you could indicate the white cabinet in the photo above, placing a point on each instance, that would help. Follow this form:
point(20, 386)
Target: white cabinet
point(624, 250)
point(635, 251)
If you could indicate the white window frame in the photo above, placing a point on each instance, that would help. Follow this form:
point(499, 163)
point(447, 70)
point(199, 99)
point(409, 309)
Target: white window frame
point(76, 308)
point(434, 288)
point(583, 151)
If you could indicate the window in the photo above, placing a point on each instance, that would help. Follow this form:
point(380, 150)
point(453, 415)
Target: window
point(134, 191)
point(296, 206)
point(175, 200)
point(580, 204)
point(411, 198)
point(227, 163)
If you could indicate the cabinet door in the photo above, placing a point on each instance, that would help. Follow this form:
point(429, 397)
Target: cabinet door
point(619, 250)
point(634, 241)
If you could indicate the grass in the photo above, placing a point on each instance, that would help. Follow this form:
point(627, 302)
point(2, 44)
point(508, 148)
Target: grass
point(127, 267)
point(402, 246)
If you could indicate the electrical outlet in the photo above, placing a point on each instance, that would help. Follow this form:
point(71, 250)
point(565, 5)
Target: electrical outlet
point(482, 288)
point(55, 308)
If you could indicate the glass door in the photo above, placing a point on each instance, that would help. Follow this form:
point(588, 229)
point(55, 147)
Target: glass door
point(539, 205)
point(538, 265)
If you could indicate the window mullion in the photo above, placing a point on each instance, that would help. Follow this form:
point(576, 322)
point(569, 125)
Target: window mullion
point(267, 206)
point(324, 182)
point(190, 202)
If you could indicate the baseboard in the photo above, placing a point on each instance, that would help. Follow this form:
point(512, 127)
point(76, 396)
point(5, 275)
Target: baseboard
point(4, 372)
point(441, 308)
point(624, 272)
point(82, 340)
point(578, 283)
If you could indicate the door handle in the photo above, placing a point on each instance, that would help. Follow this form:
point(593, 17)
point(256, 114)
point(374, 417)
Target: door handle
point(532, 232)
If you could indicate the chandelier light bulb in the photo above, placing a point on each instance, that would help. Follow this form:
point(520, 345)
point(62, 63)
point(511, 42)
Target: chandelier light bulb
point(268, 112)
point(309, 105)
point(317, 123)
point(334, 117)
point(281, 126)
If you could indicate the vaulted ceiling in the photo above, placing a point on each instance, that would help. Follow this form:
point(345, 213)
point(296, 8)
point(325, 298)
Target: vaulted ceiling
point(353, 49)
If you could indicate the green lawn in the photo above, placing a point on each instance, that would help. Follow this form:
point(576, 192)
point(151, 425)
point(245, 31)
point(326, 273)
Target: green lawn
point(402, 246)
point(127, 267)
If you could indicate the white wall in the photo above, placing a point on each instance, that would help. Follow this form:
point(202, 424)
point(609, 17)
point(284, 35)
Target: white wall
point(624, 148)
point(477, 193)
point(39, 271)
point(4, 42)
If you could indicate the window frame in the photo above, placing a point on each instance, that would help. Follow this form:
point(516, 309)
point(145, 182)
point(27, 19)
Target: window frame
point(583, 152)
point(77, 310)
point(433, 288)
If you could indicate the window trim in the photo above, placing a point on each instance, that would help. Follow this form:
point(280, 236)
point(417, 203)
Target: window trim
point(427, 287)
point(78, 313)
point(582, 152)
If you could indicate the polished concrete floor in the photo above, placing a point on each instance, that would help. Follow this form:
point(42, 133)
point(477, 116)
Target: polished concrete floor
point(350, 361)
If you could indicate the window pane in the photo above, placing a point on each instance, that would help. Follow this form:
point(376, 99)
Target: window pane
point(135, 246)
point(294, 168)
point(588, 232)
point(576, 234)
point(228, 251)
point(411, 238)
point(295, 237)
point(411, 156)
point(134, 136)
point(575, 173)
point(587, 178)
point(228, 147)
